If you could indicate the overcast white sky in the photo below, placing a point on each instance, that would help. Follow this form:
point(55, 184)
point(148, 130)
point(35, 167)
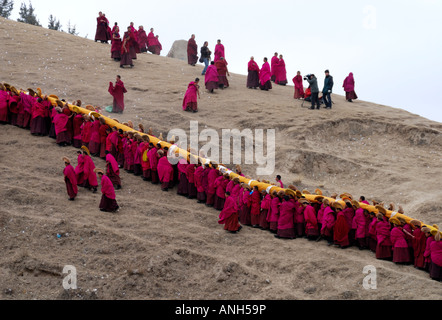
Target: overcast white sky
point(394, 48)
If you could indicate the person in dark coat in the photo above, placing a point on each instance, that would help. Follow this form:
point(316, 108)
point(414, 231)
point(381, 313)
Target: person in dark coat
point(327, 91)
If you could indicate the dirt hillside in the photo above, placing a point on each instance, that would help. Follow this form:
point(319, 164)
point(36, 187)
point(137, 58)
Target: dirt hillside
point(163, 246)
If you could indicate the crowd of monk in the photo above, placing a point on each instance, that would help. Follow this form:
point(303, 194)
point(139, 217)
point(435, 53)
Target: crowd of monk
point(125, 49)
point(287, 214)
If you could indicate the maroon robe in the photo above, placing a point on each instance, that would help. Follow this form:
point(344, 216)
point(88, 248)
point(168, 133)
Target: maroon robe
point(71, 181)
point(117, 92)
point(192, 52)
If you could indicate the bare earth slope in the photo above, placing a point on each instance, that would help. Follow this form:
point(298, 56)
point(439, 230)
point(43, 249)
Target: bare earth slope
point(162, 246)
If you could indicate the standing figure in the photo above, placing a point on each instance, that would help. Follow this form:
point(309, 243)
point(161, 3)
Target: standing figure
point(116, 44)
point(205, 56)
point(117, 92)
point(102, 33)
point(192, 51)
point(219, 51)
point(253, 74)
point(211, 77)
point(265, 76)
point(349, 88)
point(299, 88)
point(126, 55)
point(70, 179)
point(327, 90)
point(108, 199)
point(223, 72)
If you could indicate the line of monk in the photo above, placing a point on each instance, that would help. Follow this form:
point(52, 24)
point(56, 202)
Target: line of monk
point(287, 214)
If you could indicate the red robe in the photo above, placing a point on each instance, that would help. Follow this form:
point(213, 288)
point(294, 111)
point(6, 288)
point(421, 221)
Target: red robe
point(117, 92)
point(71, 181)
point(192, 52)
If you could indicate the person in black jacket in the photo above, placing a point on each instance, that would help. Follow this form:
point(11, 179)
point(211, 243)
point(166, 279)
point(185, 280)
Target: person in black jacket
point(327, 91)
point(205, 56)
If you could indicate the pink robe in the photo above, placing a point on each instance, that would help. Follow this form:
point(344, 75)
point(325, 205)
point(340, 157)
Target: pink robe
point(89, 173)
point(107, 188)
point(255, 200)
point(211, 74)
point(4, 98)
point(328, 222)
point(360, 224)
point(198, 176)
point(191, 95)
point(436, 252)
point(265, 74)
point(281, 73)
point(60, 122)
point(229, 215)
point(165, 170)
point(69, 174)
point(219, 52)
point(397, 238)
point(310, 219)
point(286, 215)
point(273, 214)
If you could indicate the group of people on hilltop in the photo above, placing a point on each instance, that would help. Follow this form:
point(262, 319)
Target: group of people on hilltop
point(258, 77)
point(215, 71)
point(125, 49)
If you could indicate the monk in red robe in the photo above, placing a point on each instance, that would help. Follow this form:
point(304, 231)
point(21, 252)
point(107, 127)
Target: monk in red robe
point(153, 161)
point(4, 101)
point(40, 120)
point(70, 179)
point(108, 199)
point(274, 63)
point(211, 190)
point(135, 44)
point(265, 76)
point(311, 222)
point(142, 39)
point(90, 178)
point(102, 34)
point(94, 143)
point(299, 87)
point(116, 44)
point(157, 47)
point(165, 170)
point(419, 243)
point(229, 215)
point(286, 226)
point(117, 92)
point(103, 132)
point(211, 77)
point(77, 125)
point(151, 41)
point(201, 195)
point(281, 72)
point(341, 228)
point(126, 55)
point(255, 207)
point(113, 171)
point(192, 51)
point(219, 51)
point(223, 72)
point(383, 233)
point(220, 194)
point(60, 122)
point(264, 210)
point(253, 74)
point(190, 101)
